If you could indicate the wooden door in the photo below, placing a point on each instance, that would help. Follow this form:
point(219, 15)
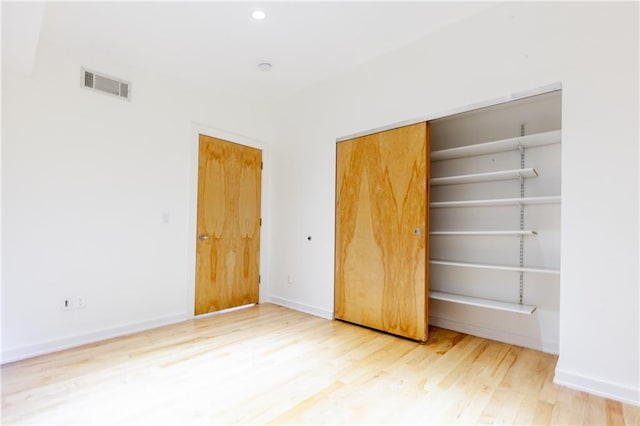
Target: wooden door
point(228, 238)
point(382, 231)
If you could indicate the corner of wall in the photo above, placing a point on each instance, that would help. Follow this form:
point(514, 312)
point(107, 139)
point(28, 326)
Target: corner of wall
point(302, 307)
point(594, 386)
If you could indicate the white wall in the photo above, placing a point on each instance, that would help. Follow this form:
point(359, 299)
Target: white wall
point(592, 49)
point(87, 179)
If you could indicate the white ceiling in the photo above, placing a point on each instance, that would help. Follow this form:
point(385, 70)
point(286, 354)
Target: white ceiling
point(219, 45)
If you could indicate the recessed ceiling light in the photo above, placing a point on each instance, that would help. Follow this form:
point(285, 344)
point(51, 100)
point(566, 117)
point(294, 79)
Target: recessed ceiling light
point(258, 15)
point(264, 66)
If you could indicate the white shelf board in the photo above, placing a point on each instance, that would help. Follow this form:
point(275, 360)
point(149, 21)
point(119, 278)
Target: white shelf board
point(529, 141)
point(485, 177)
point(555, 199)
point(496, 267)
point(483, 303)
point(516, 232)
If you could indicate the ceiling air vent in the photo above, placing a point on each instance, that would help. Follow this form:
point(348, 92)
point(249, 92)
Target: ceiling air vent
point(102, 83)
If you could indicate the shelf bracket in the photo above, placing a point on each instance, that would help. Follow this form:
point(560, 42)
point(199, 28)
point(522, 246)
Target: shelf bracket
point(522, 164)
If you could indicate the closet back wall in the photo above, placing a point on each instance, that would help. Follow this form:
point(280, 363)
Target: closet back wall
point(507, 49)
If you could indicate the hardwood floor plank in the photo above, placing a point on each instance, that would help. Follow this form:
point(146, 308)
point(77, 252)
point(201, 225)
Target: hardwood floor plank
point(569, 408)
point(595, 411)
point(631, 414)
point(613, 409)
point(444, 366)
point(542, 414)
point(271, 365)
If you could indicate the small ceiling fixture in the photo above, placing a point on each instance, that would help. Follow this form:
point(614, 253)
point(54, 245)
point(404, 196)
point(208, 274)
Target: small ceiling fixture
point(264, 66)
point(258, 15)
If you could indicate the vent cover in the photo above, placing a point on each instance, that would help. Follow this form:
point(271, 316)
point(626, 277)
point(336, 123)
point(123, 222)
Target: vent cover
point(102, 83)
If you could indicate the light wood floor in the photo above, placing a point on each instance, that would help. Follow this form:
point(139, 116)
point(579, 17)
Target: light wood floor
point(268, 364)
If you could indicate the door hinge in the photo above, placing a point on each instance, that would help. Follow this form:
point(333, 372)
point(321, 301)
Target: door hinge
point(260, 221)
point(261, 165)
point(259, 279)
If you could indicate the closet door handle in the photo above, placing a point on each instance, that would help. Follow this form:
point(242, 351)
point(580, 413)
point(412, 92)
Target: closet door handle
point(203, 237)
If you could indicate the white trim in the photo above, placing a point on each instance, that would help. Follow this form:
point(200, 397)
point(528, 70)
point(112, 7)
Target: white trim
point(616, 391)
point(17, 354)
point(493, 334)
point(483, 104)
point(196, 130)
point(302, 307)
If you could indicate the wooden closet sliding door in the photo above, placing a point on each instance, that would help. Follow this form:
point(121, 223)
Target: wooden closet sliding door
point(382, 231)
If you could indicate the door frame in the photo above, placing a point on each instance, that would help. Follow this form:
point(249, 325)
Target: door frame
point(198, 129)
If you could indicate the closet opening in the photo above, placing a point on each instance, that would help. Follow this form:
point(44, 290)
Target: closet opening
point(495, 221)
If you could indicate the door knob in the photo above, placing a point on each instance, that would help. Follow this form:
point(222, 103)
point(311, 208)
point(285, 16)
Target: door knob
point(203, 237)
point(417, 231)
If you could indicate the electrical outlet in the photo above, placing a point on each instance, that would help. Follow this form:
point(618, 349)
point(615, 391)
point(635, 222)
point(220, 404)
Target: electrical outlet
point(67, 304)
point(81, 302)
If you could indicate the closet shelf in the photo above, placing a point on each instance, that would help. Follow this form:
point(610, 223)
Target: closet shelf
point(515, 232)
point(483, 303)
point(485, 177)
point(555, 199)
point(529, 141)
point(495, 267)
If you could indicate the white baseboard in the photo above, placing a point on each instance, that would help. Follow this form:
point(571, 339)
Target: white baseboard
point(615, 391)
point(493, 334)
point(302, 307)
point(17, 354)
